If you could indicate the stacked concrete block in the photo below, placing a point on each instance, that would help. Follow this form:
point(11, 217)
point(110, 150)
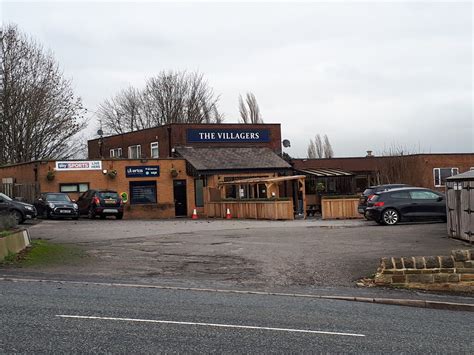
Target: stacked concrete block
point(406, 271)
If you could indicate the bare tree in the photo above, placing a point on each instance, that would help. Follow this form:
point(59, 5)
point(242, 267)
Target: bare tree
point(169, 97)
point(124, 112)
point(318, 148)
point(396, 165)
point(249, 109)
point(327, 148)
point(39, 113)
point(312, 150)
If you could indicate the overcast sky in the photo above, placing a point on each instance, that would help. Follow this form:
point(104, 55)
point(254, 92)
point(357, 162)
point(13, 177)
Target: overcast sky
point(369, 75)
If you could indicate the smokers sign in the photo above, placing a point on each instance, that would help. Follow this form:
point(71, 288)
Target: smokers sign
point(78, 165)
point(228, 135)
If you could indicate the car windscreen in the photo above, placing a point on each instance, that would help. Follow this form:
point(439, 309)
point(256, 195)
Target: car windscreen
point(58, 197)
point(368, 192)
point(108, 194)
point(5, 197)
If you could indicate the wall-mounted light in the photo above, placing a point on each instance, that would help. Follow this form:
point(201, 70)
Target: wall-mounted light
point(104, 171)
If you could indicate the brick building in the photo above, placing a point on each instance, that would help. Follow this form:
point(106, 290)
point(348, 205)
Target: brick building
point(177, 168)
point(425, 170)
point(188, 163)
point(160, 142)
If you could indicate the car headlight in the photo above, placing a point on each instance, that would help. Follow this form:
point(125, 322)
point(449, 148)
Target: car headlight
point(75, 206)
point(30, 208)
point(51, 204)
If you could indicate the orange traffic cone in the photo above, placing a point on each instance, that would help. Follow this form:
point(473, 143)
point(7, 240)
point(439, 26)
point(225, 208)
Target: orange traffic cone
point(195, 215)
point(228, 216)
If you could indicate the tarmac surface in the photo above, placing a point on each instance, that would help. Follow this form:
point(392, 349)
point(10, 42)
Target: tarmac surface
point(65, 318)
point(302, 255)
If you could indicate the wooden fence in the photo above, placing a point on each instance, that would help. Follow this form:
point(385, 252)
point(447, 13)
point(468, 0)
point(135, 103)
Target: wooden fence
point(340, 208)
point(460, 208)
point(22, 192)
point(251, 209)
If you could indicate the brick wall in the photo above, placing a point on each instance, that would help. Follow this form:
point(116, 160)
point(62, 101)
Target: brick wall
point(176, 136)
point(97, 180)
point(455, 271)
point(421, 165)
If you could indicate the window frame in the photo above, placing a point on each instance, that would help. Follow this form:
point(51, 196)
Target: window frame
point(204, 184)
point(77, 184)
point(139, 151)
point(115, 152)
point(438, 170)
point(147, 182)
point(157, 147)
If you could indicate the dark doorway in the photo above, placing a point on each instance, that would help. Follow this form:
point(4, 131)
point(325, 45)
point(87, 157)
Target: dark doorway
point(180, 199)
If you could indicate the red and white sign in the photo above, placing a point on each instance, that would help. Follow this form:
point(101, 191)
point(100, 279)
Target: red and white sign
point(78, 165)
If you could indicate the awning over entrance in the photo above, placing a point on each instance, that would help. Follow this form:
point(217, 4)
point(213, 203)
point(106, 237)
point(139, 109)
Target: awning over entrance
point(263, 180)
point(324, 172)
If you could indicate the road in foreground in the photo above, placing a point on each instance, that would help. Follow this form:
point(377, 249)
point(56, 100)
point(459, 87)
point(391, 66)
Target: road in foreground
point(47, 317)
point(234, 253)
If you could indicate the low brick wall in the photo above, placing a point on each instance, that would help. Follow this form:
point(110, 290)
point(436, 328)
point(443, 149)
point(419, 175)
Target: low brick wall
point(13, 243)
point(455, 271)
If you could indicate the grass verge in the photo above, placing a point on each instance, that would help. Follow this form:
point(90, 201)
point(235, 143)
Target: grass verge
point(44, 253)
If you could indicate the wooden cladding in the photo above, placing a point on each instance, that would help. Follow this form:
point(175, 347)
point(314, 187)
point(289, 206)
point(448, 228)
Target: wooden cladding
point(340, 208)
point(273, 210)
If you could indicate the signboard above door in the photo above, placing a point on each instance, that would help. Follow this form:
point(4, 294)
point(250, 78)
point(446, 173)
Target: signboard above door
point(142, 171)
point(228, 135)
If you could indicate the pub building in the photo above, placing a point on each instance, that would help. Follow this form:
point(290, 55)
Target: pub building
point(172, 170)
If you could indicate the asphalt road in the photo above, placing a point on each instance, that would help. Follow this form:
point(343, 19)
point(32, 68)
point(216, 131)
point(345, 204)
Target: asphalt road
point(48, 317)
point(236, 253)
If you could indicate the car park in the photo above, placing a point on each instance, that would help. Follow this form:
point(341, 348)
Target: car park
point(371, 191)
point(20, 210)
point(100, 203)
point(409, 203)
point(56, 205)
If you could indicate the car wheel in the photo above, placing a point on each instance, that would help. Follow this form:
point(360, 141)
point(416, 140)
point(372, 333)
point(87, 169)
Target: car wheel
point(119, 216)
point(18, 217)
point(91, 213)
point(390, 217)
point(102, 216)
point(366, 216)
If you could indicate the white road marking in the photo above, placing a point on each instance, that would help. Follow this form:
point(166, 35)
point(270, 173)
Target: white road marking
point(211, 325)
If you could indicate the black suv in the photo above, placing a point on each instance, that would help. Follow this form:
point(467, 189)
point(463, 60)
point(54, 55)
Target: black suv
point(371, 191)
point(21, 211)
point(410, 203)
point(100, 203)
point(56, 204)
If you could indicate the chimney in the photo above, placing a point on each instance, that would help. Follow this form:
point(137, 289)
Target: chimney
point(369, 154)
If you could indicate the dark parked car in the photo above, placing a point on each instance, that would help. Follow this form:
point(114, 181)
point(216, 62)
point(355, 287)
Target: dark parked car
point(371, 191)
point(100, 203)
point(409, 203)
point(20, 210)
point(59, 205)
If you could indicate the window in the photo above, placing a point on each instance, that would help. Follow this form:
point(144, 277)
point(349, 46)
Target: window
point(199, 185)
point(400, 195)
point(441, 174)
point(155, 153)
point(142, 192)
point(135, 152)
point(75, 187)
point(423, 195)
point(116, 153)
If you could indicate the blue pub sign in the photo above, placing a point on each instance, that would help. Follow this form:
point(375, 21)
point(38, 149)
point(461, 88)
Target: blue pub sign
point(142, 171)
point(228, 135)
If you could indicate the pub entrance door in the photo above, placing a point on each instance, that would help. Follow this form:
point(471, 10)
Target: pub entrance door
point(180, 198)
